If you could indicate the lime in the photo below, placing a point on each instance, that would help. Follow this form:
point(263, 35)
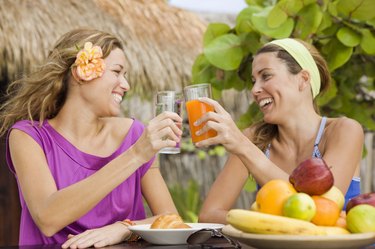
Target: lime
point(299, 206)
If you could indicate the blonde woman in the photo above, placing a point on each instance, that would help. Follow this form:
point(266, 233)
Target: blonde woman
point(288, 74)
point(80, 168)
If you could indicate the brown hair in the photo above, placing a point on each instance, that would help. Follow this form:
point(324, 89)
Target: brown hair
point(41, 94)
point(264, 132)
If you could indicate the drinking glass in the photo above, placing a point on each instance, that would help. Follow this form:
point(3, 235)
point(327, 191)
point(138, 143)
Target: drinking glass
point(169, 101)
point(196, 109)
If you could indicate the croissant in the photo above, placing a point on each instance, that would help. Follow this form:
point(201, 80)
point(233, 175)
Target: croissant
point(169, 221)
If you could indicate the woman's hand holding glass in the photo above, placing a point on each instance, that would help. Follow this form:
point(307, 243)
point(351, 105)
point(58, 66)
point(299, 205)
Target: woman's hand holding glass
point(162, 131)
point(228, 133)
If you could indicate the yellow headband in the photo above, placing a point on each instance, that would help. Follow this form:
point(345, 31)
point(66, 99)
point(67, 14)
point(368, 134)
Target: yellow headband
point(303, 57)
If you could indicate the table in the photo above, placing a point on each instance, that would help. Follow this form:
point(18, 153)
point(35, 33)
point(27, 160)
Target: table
point(212, 243)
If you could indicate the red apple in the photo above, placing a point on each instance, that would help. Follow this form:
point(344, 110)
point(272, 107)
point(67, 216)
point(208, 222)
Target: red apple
point(312, 177)
point(366, 198)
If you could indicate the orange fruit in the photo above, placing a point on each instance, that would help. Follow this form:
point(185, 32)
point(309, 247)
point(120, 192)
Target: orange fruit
point(271, 197)
point(341, 221)
point(327, 211)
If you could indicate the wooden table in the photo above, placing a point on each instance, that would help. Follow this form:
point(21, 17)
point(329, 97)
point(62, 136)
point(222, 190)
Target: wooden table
point(212, 243)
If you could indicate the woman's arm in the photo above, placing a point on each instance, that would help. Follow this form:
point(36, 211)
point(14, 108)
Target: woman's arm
point(343, 150)
point(224, 191)
point(54, 209)
point(155, 192)
point(238, 143)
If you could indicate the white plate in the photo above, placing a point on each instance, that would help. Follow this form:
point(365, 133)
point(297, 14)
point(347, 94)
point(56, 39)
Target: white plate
point(170, 236)
point(267, 241)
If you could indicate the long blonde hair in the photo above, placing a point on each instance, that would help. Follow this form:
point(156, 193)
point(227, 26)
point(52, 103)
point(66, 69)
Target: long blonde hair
point(264, 132)
point(41, 94)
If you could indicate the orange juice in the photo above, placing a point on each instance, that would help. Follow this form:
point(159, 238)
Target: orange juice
point(195, 110)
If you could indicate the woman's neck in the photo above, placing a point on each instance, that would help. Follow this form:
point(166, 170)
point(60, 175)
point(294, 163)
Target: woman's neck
point(297, 133)
point(77, 124)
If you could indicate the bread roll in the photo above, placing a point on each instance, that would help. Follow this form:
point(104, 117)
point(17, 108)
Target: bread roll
point(169, 221)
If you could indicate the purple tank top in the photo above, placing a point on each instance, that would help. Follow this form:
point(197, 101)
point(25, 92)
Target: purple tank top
point(69, 165)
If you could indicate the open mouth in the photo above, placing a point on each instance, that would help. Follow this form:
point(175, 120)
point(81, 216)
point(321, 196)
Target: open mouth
point(265, 102)
point(117, 98)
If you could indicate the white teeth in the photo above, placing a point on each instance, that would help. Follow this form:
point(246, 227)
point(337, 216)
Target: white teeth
point(264, 102)
point(117, 97)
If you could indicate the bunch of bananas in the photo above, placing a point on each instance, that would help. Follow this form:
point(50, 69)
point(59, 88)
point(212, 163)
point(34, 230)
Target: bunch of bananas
point(262, 223)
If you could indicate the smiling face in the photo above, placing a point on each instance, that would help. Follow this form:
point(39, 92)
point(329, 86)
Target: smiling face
point(275, 88)
point(104, 94)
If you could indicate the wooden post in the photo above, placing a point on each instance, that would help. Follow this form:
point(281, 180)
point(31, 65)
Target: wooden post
point(10, 209)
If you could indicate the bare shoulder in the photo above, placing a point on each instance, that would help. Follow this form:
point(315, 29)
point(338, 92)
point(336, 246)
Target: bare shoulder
point(343, 126)
point(18, 136)
point(118, 126)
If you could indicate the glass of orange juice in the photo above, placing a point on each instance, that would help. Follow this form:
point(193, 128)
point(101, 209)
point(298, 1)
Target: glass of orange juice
point(196, 109)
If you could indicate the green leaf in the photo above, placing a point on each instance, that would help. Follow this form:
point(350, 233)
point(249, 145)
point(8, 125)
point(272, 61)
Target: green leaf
point(250, 185)
point(251, 116)
point(329, 95)
point(220, 150)
point(260, 23)
point(368, 42)
point(371, 22)
point(290, 7)
point(232, 80)
point(276, 17)
point(362, 10)
point(309, 21)
point(202, 71)
point(250, 42)
point(338, 53)
point(348, 37)
point(243, 20)
point(201, 154)
point(332, 8)
point(214, 30)
point(325, 23)
point(224, 52)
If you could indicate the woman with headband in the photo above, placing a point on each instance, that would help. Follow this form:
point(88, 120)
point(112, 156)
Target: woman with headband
point(288, 75)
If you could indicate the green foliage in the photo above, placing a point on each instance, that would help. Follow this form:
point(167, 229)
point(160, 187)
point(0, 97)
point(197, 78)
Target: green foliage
point(342, 30)
point(187, 200)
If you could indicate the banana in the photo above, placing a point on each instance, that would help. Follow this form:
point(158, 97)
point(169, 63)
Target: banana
point(332, 230)
point(256, 222)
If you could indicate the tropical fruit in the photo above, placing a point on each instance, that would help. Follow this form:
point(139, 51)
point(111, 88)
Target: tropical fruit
point(300, 206)
point(272, 195)
point(327, 211)
point(257, 222)
point(335, 195)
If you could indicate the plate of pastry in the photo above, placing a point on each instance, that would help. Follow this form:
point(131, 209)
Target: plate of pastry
point(170, 230)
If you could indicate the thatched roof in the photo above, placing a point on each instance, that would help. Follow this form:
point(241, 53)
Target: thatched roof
point(161, 41)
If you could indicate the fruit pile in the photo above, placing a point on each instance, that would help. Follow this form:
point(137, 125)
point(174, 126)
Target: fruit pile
point(308, 203)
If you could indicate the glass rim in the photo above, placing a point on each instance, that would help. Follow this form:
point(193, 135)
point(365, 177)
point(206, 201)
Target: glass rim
point(168, 91)
point(197, 85)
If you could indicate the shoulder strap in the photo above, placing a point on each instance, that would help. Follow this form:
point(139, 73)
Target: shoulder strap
point(316, 152)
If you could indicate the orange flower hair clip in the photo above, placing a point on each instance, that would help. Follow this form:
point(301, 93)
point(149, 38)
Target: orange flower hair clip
point(89, 62)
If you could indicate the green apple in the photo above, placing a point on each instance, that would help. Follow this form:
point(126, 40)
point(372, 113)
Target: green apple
point(361, 219)
point(335, 195)
point(299, 206)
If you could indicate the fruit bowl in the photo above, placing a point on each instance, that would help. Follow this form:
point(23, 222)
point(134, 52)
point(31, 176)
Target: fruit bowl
point(267, 241)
